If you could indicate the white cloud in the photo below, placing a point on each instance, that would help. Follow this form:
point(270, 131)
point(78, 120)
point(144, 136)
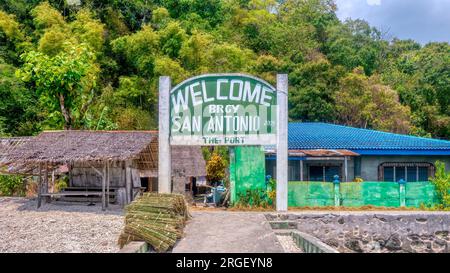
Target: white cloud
point(373, 2)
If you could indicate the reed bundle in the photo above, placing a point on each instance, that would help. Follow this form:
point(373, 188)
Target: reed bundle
point(156, 218)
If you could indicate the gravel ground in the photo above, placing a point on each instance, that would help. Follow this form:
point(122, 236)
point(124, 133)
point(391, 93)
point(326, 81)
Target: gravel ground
point(288, 244)
point(58, 227)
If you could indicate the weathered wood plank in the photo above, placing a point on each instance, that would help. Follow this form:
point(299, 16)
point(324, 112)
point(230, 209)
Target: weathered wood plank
point(103, 187)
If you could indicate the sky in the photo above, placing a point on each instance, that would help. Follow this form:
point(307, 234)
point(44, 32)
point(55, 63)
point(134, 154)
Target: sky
point(421, 20)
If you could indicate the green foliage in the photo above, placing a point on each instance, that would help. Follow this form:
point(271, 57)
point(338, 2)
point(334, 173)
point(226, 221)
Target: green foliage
point(253, 198)
point(215, 168)
point(272, 191)
point(61, 80)
point(61, 184)
point(364, 102)
point(441, 181)
point(19, 114)
point(11, 185)
point(105, 58)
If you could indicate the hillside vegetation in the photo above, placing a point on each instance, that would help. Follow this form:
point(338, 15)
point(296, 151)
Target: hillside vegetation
point(95, 64)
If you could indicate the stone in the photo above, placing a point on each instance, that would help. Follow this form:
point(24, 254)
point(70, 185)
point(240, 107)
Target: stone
point(393, 242)
point(421, 220)
point(442, 234)
point(332, 242)
point(354, 245)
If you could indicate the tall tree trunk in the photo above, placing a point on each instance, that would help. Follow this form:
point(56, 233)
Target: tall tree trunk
point(65, 113)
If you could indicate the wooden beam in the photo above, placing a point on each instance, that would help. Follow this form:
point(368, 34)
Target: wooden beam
point(103, 186)
point(46, 181)
point(97, 171)
point(39, 201)
point(128, 182)
point(108, 181)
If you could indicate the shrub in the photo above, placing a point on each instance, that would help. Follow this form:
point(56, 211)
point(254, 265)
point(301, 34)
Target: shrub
point(253, 198)
point(441, 181)
point(272, 190)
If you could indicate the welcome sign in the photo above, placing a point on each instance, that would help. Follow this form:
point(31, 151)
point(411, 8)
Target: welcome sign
point(223, 109)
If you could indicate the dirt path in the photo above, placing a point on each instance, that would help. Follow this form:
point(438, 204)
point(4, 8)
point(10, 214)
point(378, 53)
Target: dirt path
point(228, 232)
point(57, 228)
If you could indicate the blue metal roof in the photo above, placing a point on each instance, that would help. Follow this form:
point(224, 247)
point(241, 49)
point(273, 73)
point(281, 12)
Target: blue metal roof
point(317, 135)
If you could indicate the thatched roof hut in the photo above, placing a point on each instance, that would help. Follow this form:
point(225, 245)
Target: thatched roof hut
point(119, 157)
point(62, 147)
point(59, 147)
point(188, 161)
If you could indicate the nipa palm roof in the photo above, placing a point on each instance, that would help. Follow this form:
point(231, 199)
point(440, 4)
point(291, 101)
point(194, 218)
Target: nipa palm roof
point(317, 135)
point(77, 146)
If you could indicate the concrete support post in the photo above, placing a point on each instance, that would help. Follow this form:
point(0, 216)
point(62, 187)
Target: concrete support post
point(337, 198)
point(301, 170)
point(402, 193)
point(345, 169)
point(282, 142)
point(164, 157)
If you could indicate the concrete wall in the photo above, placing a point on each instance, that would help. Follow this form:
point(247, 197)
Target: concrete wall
point(369, 164)
point(358, 194)
point(247, 170)
point(380, 232)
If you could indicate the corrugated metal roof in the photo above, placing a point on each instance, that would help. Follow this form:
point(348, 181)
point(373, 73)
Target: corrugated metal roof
point(317, 135)
point(317, 153)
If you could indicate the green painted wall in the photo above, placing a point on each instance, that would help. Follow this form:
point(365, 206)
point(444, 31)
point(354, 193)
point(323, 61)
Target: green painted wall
point(351, 194)
point(310, 194)
point(383, 194)
point(420, 192)
point(247, 170)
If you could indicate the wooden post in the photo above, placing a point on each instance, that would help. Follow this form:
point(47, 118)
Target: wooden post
point(103, 186)
point(39, 201)
point(108, 181)
point(69, 168)
point(47, 198)
point(53, 181)
point(128, 182)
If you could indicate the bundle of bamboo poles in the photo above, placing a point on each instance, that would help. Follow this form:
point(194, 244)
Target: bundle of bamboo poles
point(156, 218)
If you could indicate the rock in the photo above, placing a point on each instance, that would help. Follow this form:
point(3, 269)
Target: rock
point(421, 220)
point(442, 234)
point(332, 242)
point(393, 243)
point(354, 245)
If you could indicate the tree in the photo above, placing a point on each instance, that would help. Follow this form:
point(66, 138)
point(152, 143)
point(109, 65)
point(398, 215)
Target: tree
point(138, 50)
point(133, 42)
point(19, 111)
point(354, 44)
point(366, 103)
point(172, 38)
point(313, 96)
point(215, 168)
